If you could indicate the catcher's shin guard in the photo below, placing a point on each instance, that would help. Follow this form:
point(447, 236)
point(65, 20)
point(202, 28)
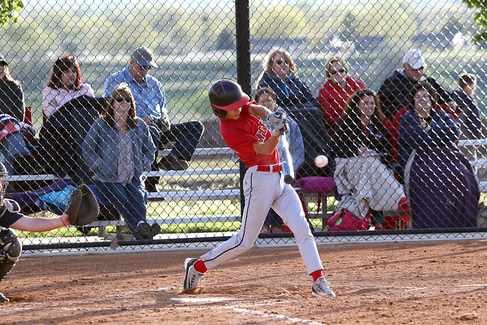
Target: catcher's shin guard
point(10, 250)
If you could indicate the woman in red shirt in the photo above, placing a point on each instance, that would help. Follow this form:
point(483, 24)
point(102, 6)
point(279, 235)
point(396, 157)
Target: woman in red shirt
point(334, 94)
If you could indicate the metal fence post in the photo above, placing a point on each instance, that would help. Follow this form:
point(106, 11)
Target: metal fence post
point(242, 19)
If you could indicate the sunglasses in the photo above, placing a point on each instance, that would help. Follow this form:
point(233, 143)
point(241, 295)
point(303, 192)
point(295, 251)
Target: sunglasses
point(144, 67)
point(420, 68)
point(279, 62)
point(342, 70)
point(121, 99)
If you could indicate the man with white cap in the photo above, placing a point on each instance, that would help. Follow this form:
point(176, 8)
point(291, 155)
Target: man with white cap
point(150, 100)
point(394, 91)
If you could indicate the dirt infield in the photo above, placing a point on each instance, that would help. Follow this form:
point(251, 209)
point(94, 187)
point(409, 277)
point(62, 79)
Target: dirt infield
point(392, 283)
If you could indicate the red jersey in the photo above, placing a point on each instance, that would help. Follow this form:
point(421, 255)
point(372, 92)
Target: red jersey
point(241, 134)
point(333, 99)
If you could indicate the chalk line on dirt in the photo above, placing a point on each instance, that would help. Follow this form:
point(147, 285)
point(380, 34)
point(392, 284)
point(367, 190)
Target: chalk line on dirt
point(241, 308)
point(277, 317)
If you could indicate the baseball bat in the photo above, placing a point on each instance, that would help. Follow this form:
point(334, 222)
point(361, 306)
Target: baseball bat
point(287, 165)
point(288, 169)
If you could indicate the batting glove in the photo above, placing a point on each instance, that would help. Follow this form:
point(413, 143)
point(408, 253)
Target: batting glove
point(276, 117)
point(281, 129)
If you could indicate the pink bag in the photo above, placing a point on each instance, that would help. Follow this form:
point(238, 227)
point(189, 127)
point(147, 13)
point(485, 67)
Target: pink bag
point(345, 221)
point(316, 184)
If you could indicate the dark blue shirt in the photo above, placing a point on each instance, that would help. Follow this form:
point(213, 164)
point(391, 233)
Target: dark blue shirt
point(291, 92)
point(469, 114)
point(412, 136)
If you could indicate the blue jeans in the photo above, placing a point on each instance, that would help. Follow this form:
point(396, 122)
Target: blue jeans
point(185, 136)
point(129, 200)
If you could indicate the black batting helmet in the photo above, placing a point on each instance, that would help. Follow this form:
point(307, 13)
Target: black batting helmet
point(226, 95)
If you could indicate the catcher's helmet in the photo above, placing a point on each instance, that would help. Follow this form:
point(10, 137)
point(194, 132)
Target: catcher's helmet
point(3, 175)
point(226, 95)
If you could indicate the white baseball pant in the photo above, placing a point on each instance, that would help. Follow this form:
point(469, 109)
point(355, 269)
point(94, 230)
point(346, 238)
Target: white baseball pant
point(263, 190)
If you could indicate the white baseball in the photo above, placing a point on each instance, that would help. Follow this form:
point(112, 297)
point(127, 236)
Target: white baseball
point(321, 161)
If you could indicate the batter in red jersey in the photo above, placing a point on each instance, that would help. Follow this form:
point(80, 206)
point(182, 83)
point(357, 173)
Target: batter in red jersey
point(263, 185)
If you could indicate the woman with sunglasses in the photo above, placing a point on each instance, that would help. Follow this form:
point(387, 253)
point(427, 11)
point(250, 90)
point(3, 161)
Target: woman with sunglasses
point(295, 97)
point(361, 144)
point(64, 85)
point(118, 148)
point(11, 93)
point(280, 75)
point(336, 91)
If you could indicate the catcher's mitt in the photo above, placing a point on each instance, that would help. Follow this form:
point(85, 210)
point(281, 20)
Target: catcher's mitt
point(82, 207)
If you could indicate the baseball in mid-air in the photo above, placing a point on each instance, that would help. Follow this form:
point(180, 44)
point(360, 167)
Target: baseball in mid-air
point(321, 161)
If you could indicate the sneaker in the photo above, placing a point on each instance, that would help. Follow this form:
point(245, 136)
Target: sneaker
point(146, 231)
point(192, 277)
point(321, 288)
point(151, 184)
point(170, 162)
point(155, 229)
point(3, 298)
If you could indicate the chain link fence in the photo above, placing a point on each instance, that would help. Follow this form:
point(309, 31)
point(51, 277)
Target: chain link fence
point(66, 60)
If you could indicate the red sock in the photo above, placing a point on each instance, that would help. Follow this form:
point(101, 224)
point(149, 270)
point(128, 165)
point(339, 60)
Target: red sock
point(316, 274)
point(200, 266)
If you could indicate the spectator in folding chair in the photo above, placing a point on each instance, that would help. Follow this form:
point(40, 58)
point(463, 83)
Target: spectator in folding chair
point(394, 91)
point(336, 91)
point(393, 127)
point(11, 93)
point(118, 148)
point(151, 107)
point(364, 182)
point(295, 97)
point(267, 98)
point(441, 185)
